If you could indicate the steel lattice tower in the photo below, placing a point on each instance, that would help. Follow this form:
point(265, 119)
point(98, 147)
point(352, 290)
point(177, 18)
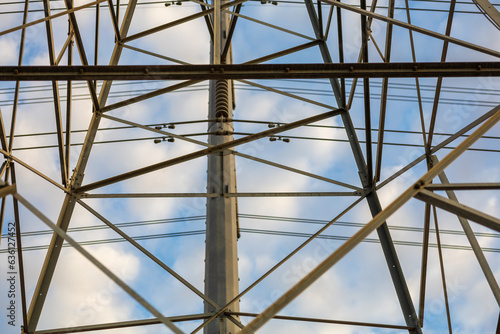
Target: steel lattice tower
point(320, 195)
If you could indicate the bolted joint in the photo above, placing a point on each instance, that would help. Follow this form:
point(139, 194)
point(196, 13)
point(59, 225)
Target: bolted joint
point(419, 184)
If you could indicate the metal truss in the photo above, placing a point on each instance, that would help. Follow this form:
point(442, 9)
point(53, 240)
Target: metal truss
point(436, 87)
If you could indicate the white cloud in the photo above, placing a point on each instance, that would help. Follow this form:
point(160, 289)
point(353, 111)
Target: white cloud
point(81, 294)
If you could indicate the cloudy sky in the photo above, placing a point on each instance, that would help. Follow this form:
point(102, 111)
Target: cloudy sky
point(359, 287)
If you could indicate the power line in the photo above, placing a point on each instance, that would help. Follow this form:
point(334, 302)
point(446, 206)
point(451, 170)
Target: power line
point(254, 231)
point(246, 230)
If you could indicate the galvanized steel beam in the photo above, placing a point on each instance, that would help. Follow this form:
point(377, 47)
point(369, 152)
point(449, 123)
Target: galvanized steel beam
point(225, 194)
point(414, 28)
point(459, 209)
point(123, 324)
point(489, 9)
point(249, 71)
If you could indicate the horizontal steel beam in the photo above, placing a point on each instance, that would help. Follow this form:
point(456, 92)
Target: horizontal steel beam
point(122, 324)
point(463, 186)
point(459, 209)
point(249, 71)
point(325, 321)
point(239, 194)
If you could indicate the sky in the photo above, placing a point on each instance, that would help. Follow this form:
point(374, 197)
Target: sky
point(359, 287)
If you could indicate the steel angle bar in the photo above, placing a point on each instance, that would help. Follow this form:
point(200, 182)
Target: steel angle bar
point(179, 21)
point(417, 82)
point(153, 54)
point(423, 265)
point(7, 190)
point(208, 18)
point(445, 142)
point(463, 186)
point(372, 199)
point(57, 100)
point(217, 32)
point(377, 221)
point(123, 324)
point(328, 24)
point(490, 10)
point(459, 209)
point(69, 100)
point(354, 84)
point(81, 51)
point(150, 95)
point(237, 14)
point(441, 267)
point(367, 100)
point(214, 195)
point(69, 203)
point(327, 321)
point(249, 71)
point(439, 83)
point(383, 232)
point(245, 156)
point(201, 153)
point(230, 33)
point(414, 28)
point(162, 132)
point(63, 13)
point(284, 260)
point(325, 53)
point(3, 135)
point(152, 257)
point(98, 264)
point(3, 168)
point(114, 19)
point(293, 96)
point(298, 171)
point(117, 51)
point(27, 166)
point(269, 25)
point(284, 52)
point(383, 100)
point(16, 92)
point(375, 44)
point(96, 37)
point(68, 41)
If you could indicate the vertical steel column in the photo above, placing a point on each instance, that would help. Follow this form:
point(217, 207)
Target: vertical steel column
point(221, 267)
point(373, 202)
point(384, 235)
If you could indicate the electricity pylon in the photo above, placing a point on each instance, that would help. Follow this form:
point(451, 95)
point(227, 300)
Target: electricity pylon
point(297, 68)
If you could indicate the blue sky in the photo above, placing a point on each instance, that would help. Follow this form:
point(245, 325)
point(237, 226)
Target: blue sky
point(358, 288)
